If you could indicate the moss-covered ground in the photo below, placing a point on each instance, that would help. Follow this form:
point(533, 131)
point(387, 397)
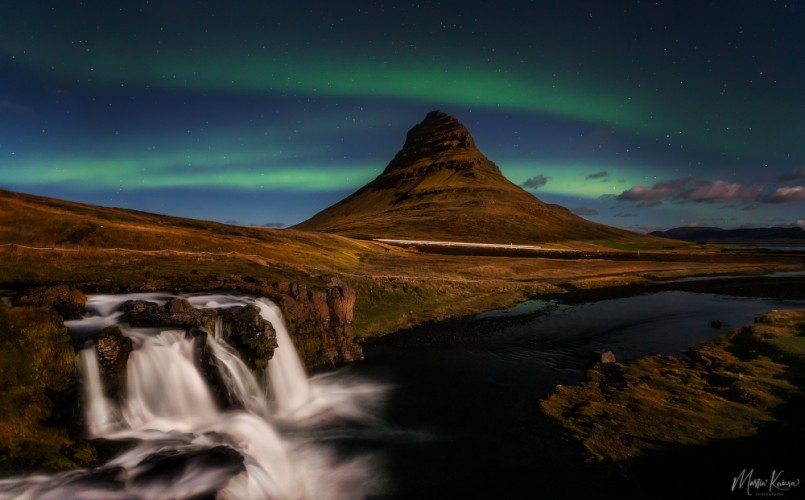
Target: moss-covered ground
point(730, 388)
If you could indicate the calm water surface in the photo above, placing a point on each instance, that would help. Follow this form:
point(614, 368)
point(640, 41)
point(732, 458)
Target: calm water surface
point(467, 412)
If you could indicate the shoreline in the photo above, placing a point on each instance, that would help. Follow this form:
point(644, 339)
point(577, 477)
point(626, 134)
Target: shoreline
point(731, 404)
point(471, 326)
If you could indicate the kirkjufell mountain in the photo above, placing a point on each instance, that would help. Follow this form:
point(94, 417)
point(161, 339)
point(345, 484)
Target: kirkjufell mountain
point(441, 187)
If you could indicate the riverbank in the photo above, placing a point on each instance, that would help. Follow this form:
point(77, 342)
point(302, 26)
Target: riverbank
point(731, 404)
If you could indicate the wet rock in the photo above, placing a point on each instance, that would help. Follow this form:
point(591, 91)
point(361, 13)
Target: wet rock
point(247, 331)
point(177, 306)
point(140, 308)
point(113, 351)
point(716, 323)
point(66, 301)
point(601, 358)
point(176, 313)
point(208, 366)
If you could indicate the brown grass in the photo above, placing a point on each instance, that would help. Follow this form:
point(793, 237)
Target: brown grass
point(396, 287)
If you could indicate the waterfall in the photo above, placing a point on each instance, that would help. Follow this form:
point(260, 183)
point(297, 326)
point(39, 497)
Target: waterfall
point(239, 380)
point(180, 444)
point(98, 408)
point(290, 388)
point(164, 388)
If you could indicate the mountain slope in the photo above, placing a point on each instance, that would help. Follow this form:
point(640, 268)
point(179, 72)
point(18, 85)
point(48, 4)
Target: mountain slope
point(441, 187)
point(47, 222)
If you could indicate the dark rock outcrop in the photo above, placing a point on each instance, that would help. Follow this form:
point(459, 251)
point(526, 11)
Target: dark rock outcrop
point(253, 337)
point(320, 321)
point(113, 351)
point(243, 327)
point(601, 358)
point(177, 313)
point(67, 301)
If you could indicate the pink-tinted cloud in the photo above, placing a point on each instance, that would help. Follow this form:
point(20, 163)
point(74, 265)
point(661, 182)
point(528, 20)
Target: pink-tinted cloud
point(800, 222)
point(684, 190)
point(660, 190)
point(585, 211)
point(790, 194)
point(719, 191)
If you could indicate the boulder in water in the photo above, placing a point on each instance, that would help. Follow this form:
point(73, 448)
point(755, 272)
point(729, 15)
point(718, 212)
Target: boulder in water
point(601, 358)
point(113, 350)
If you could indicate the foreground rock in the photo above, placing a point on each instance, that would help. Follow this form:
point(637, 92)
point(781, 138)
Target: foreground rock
point(67, 301)
point(320, 321)
point(253, 337)
point(177, 313)
point(113, 351)
point(319, 314)
point(728, 388)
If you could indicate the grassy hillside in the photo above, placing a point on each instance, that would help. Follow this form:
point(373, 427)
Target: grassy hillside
point(46, 241)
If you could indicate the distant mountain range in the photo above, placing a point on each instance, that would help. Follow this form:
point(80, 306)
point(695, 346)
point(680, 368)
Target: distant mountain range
point(759, 235)
point(441, 187)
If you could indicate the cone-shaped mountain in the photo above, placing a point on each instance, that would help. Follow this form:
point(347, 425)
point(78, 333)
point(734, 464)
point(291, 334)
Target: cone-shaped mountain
point(441, 187)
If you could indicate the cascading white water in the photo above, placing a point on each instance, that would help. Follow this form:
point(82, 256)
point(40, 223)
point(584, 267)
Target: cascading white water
point(239, 380)
point(290, 388)
point(169, 411)
point(164, 389)
point(98, 407)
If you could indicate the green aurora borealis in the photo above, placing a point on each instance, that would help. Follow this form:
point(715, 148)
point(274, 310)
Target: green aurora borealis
point(290, 108)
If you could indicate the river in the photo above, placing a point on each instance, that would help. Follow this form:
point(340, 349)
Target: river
point(448, 413)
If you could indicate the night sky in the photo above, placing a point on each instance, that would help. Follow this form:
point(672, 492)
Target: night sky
point(642, 115)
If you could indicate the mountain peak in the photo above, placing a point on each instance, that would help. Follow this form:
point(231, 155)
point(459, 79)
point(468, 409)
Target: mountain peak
point(438, 138)
point(441, 187)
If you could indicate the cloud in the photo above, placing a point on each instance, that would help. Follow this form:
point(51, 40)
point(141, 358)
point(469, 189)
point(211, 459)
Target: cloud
point(800, 222)
point(786, 195)
point(683, 190)
point(660, 190)
point(598, 175)
point(719, 191)
point(274, 224)
point(585, 211)
point(796, 174)
point(623, 214)
point(535, 182)
point(231, 222)
point(753, 206)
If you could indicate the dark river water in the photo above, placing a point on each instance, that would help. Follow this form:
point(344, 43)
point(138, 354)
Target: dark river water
point(467, 410)
point(450, 410)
